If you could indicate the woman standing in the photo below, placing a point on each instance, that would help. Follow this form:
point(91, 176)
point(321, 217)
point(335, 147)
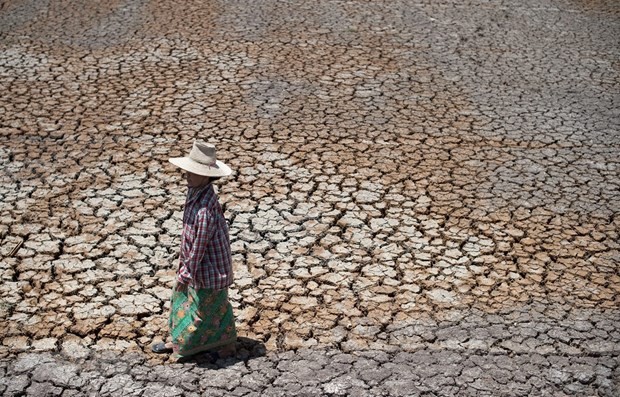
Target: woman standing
point(201, 317)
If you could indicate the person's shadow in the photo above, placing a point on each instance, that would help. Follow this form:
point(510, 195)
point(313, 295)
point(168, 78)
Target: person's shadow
point(247, 349)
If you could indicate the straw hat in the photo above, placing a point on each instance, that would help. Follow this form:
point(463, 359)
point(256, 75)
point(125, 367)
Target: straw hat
point(202, 161)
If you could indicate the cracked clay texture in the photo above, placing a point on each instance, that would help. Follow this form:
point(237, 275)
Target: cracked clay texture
point(426, 196)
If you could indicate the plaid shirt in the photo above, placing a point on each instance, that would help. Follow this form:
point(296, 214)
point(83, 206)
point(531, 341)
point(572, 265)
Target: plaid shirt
point(205, 260)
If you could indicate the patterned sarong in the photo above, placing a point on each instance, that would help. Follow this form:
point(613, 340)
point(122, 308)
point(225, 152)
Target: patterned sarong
point(200, 319)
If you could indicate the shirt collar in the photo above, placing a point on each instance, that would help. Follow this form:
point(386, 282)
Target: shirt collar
point(194, 193)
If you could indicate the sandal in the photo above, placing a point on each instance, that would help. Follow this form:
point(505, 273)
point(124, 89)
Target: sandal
point(160, 348)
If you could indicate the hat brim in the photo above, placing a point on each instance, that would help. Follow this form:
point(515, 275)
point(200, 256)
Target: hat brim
point(219, 169)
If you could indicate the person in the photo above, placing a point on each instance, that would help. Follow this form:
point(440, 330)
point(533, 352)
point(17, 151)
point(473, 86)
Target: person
point(201, 316)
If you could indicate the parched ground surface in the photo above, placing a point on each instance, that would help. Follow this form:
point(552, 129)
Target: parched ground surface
point(426, 197)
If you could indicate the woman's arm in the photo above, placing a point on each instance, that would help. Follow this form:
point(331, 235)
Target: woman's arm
point(190, 270)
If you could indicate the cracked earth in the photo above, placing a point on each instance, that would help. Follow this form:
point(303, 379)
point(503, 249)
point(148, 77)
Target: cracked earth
point(426, 197)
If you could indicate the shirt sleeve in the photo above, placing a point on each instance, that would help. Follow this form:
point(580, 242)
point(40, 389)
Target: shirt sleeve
point(191, 268)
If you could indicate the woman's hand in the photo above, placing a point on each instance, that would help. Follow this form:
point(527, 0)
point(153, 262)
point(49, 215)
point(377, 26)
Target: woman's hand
point(180, 287)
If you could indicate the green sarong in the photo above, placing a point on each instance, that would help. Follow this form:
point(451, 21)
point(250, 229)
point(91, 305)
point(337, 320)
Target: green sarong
point(200, 319)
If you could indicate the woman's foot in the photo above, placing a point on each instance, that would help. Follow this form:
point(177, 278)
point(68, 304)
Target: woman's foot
point(161, 348)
